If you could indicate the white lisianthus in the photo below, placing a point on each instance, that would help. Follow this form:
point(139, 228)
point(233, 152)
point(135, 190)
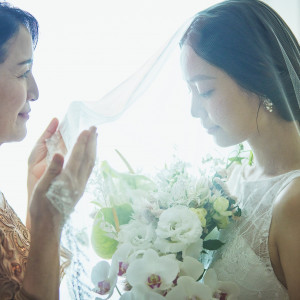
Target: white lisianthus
point(177, 228)
point(188, 288)
point(138, 234)
point(153, 271)
point(104, 278)
point(226, 289)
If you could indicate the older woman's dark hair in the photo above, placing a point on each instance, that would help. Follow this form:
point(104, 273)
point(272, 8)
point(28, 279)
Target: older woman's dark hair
point(11, 19)
point(253, 45)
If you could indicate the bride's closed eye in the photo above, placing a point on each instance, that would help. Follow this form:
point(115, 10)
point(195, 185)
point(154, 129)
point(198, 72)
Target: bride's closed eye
point(195, 90)
point(206, 94)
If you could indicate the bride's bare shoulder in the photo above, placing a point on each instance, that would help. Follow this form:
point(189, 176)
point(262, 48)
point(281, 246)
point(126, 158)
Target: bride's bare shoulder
point(286, 224)
point(289, 197)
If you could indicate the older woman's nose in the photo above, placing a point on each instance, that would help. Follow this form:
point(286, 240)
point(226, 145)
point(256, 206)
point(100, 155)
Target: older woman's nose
point(32, 89)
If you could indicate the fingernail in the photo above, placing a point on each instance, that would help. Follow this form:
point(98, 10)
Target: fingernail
point(93, 129)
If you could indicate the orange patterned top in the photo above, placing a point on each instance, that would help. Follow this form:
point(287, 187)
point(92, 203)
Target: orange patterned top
point(14, 248)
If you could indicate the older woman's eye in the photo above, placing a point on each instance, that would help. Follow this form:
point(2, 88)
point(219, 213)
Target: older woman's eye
point(25, 74)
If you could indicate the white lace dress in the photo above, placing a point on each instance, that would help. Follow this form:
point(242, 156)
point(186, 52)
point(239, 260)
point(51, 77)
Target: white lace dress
point(245, 258)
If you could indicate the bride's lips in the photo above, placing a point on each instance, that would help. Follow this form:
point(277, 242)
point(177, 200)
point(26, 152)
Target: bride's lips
point(212, 130)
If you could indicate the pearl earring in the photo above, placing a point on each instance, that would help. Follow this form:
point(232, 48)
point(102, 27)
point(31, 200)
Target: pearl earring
point(268, 104)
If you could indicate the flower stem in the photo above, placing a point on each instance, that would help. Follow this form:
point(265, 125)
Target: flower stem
point(125, 161)
point(116, 219)
point(118, 290)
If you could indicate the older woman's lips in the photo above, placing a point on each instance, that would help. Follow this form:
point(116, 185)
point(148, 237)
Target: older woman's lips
point(24, 115)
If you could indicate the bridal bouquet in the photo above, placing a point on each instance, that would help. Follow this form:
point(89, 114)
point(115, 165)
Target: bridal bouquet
point(154, 231)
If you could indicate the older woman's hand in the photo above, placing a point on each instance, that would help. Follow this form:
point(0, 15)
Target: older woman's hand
point(59, 189)
point(37, 163)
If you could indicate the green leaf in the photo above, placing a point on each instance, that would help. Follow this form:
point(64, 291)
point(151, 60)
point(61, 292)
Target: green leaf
point(212, 244)
point(123, 211)
point(250, 158)
point(103, 245)
point(236, 159)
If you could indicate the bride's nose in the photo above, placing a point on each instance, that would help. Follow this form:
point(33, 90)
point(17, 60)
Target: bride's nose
point(197, 108)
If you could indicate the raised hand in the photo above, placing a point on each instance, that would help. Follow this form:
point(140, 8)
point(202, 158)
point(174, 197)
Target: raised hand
point(59, 189)
point(37, 163)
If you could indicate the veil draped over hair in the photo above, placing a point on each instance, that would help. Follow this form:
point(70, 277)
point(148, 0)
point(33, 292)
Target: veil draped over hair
point(147, 118)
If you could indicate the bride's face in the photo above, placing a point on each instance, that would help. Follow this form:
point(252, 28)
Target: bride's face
point(226, 111)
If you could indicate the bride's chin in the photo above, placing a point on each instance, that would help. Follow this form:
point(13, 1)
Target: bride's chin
point(224, 141)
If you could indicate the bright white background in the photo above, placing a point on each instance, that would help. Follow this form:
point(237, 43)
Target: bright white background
point(85, 49)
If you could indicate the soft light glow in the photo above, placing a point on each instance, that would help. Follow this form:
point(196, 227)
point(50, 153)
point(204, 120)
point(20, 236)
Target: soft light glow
point(85, 49)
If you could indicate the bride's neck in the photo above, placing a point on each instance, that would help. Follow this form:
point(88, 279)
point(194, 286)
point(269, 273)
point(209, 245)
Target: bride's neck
point(276, 148)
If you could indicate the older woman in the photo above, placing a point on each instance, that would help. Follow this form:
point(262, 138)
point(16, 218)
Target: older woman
point(29, 261)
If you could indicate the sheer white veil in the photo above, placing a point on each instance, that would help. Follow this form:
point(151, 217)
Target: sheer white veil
point(155, 99)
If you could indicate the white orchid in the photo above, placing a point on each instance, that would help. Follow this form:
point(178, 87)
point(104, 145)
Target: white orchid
point(191, 267)
point(188, 288)
point(141, 292)
point(104, 278)
point(221, 289)
point(177, 228)
point(122, 257)
point(153, 271)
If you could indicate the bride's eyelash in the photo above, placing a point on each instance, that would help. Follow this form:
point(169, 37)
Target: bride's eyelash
point(202, 95)
point(206, 94)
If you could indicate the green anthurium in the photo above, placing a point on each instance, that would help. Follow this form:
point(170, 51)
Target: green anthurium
point(134, 181)
point(123, 212)
point(104, 245)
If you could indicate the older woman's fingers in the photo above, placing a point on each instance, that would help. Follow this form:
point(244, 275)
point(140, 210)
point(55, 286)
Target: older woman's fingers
point(52, 171)
point(89, 158)
point(50, 130)
point(77, 155)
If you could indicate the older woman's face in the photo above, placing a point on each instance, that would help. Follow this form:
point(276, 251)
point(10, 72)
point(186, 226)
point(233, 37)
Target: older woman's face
point(17, 87)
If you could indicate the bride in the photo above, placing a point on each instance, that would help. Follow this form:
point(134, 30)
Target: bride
point(241, 63)
point(239, 59)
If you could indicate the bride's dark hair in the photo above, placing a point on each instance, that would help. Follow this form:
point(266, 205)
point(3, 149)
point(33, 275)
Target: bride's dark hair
point(253, 45)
